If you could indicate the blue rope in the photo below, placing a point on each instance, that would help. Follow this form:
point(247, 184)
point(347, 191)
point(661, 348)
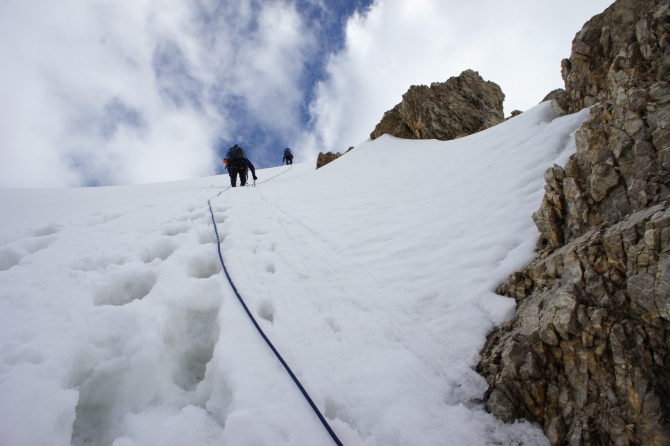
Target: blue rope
point(267, 341)
point(282, 173)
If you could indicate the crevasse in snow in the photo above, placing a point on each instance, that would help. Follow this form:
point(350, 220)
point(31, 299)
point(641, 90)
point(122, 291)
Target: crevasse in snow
point(373, 276)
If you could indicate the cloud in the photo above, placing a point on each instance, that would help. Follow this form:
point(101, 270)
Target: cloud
point(136, 91)
point(92, 98)
point(174, 79)
point(518, 44)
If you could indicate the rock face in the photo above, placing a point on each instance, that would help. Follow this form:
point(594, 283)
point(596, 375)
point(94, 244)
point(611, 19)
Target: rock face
point(621, 62)
point(588, 356)
point(459, 107)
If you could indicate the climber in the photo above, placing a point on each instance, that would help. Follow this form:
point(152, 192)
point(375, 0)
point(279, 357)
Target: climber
point(237, 163)
point(288, 156)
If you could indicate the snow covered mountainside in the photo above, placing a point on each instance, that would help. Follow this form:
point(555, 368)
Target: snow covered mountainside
point(373, 276)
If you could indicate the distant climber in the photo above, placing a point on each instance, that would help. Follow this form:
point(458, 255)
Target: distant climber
point(288, 156)
point(237, 163)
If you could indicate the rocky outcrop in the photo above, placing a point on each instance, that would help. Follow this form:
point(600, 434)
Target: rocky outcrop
point(588, 355)
point(624, 47)
point(513, 114)
point(559, 101)
point(620, 65)
point(324, 158)
point(459, 107)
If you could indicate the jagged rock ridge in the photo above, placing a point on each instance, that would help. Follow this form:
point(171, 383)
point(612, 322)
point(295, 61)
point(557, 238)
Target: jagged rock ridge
point(459, 107)
point(588, 356)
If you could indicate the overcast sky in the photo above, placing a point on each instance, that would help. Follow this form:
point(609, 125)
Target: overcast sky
point(107, 92)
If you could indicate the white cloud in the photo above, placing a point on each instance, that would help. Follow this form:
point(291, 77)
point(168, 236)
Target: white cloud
point(134, 91)
point(74, 61)
point(518, 44)
point(270, 65)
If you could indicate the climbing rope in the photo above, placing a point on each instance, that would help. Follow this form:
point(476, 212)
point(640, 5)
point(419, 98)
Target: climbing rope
point(248, 184)
point(282, 173)
point(267, 340)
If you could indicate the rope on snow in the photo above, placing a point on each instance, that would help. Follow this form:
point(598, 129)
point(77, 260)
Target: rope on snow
point(267, 340)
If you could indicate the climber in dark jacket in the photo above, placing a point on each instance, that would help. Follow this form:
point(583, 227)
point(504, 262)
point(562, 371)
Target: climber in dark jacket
point(237, 164)
point(288, 157)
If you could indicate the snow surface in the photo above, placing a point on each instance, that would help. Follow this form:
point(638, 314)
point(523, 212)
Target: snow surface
point(373, 276)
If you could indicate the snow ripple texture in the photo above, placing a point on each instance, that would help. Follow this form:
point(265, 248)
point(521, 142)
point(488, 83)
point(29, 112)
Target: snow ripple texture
point(373, 277)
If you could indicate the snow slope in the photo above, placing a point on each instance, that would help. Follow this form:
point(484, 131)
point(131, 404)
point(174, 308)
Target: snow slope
point(373, 276)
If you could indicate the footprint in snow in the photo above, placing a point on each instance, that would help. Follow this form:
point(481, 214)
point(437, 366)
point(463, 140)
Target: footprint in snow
point(197, 333)
point(162, 249)
point(332, 323)
point(204, 265)
point(207, 236)
point(194, 216)
point(96, 218)
point(219, 218)
point(49, 229)
point(11, 254)
point(266, 311)
point(88, 263)
point(124, 286)
point(175, 228)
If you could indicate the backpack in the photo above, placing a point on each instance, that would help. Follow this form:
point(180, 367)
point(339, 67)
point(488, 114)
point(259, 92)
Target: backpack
point(287, 152)
point(235, 152)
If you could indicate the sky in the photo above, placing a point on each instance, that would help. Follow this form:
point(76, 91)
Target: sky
point(110, 92)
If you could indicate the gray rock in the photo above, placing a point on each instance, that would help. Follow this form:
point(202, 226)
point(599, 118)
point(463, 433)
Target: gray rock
point(603, 178)
point(501, 406)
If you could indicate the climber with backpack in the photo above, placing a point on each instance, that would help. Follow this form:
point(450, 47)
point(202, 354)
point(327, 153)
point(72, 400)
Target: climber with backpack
point(237, 164)
point(288, 156)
